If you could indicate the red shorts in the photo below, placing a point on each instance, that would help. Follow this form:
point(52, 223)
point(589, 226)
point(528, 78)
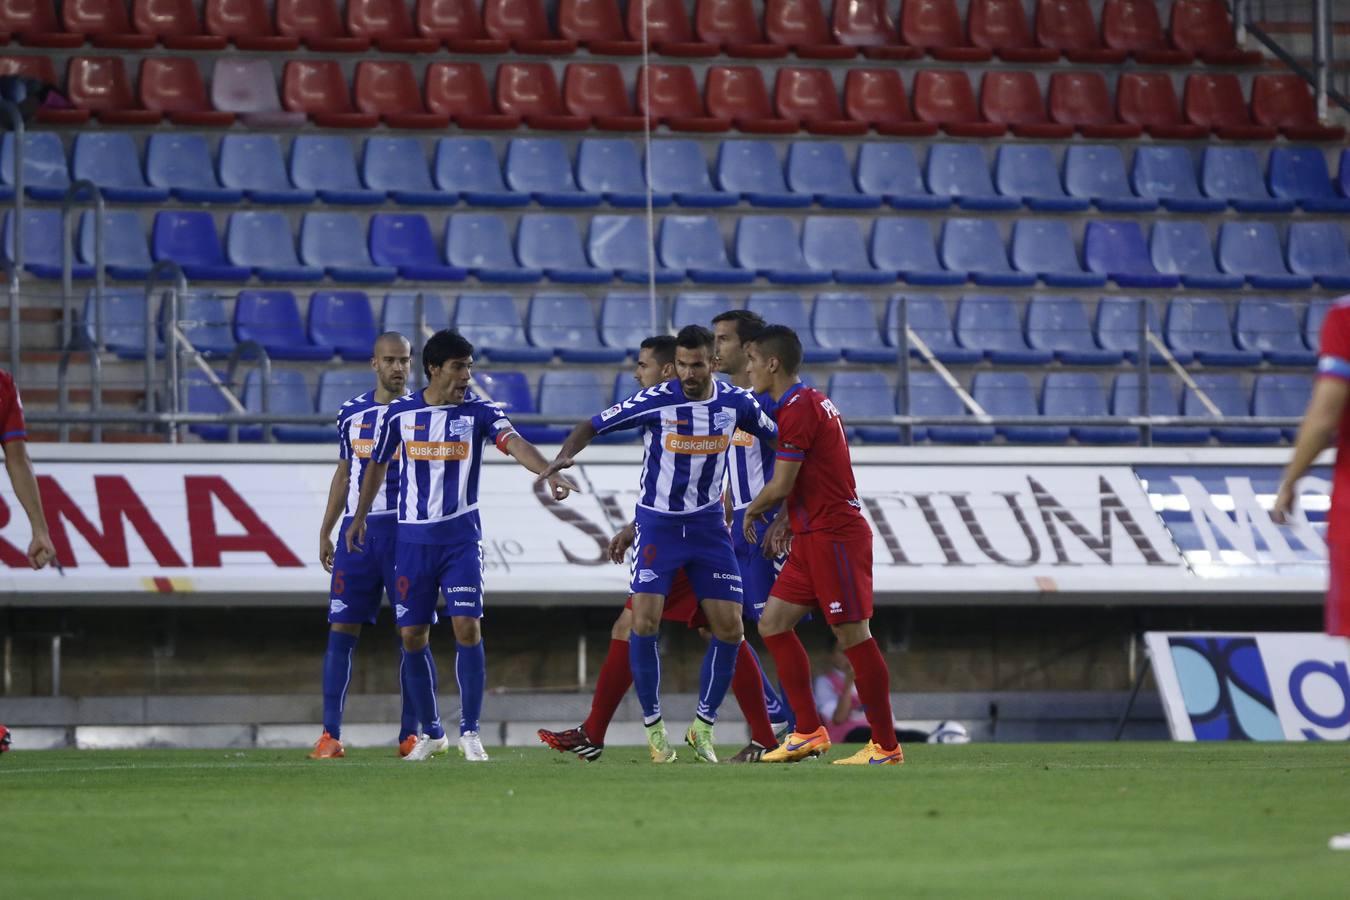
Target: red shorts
point(1338, 588)
point(832, 571)
point(681, 604)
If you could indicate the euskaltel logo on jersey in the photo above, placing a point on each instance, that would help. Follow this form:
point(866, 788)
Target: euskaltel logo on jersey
point(699, 445)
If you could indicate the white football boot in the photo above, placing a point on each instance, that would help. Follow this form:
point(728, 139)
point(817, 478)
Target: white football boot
point(471, 747)
point(427, 747)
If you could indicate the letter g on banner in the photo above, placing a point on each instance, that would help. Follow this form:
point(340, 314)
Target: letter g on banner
point(1325, 695)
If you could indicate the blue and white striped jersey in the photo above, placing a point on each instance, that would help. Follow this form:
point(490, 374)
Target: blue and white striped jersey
point(750, 462)
point(686, 441)
point(357, 422)
point(442, 450)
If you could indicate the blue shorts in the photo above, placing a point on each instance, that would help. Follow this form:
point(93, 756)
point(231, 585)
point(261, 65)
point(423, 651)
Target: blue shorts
point(425, 571)
point(757, 573)
point(361, 579)
point(699, 543)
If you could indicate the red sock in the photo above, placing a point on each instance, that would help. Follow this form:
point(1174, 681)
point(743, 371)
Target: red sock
point(873, 681)
point(748, 685)
point(615, 679)
point(794, 672)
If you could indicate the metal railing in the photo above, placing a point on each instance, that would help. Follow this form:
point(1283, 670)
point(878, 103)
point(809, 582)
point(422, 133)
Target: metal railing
point(1252, 17)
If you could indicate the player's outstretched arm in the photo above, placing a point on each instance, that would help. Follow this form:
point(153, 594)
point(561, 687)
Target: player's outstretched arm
point(619, 544)
point(1316, 433)
point(775, 492)
point(337, 490)
point(371, 483)
point(20, 469)
point(528, 455)
point(577, 441)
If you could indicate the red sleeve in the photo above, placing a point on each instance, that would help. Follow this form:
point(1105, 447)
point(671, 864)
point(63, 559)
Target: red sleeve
point(11, 411)
point(1334, 355)
point(796, 429)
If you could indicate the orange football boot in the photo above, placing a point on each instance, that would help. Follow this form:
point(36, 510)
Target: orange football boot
point(872, 755)
point(327, 747)
point(405, 746)
point(797, 747)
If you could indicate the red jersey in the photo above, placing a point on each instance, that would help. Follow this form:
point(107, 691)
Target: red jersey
point(810, 431)
point(1334, 362)
point(11, 411)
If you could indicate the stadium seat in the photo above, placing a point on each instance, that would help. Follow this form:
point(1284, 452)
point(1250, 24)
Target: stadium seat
point(945, 98)
point(262, 241)
point(1069, 27)
point(1080, 394)
point(1300, 174)
point(597, 92)
point(247, 24)
point(406, 243)
point(1097, 172)
point(612, 169)
point(789, 310)
point(697, 309)
point(202, 319)
point(109, 159)
point(959, 171)
point(480, 243)
point(1135, 27)
point(458, 25)
point(272, 318)
point(397, 166)
point(1270, 327)
point(1200, 326)
point(317, 24)
point(1228, 394)
point(1313, 320)
point(190, 239)
point(598, 26)
point(1216, 102)
point(540, 167)
point(1045, 248)
point(511, 391)
point(203, 397)
point(1118, 250)
point(668, 29)
point(975, 246)
point(525, 24)
point(318, 89)
point(1082, 100)
point(1126, 400)
point(1001, 26)
point(751, 170)
point(1281, 395)
point(468, 167)
point(738, 94)
point(343, 320)
point(935, 26)
point(1117, 327)
point(1148, 100)
point(574, 395)
point(126, 255)
point(175, 24)
point(1028, 173)
point(460, 91)
point(173, 87)
point(248, 89)
point(123, 325)
point(619, 244)
point(326, 164)
point(1318, 249)
point(99, 85)
point(626, 319)
point(868, 24)
point(566, 324)
point(1286, 102)
point(926, 317)
point(1011, 394)
point(848, 323)
point(388, 25)
point(253, 163)
point(1253, 249)
point(287, 395)
point(1203, 28)
point(181, 163)
point(337, 242)
point(674, 100)
point(890, 170)
point(1014, 99)
point(694, 244)
point(835, 244)
point(337, 386)
point(991, 325)
point(820, 169)
point(34, 23)
point(45, 173)
point(809, 96)
point(679, 169)
point(42, 243)
point(864, 395)
point(1183, 248)
point(400, 314)
point(1167, 175)
point(877, 97)
point(929, 395)
point(492, 323)
point(905, 246)
point(551, 242)
point(104, 22)
point(804, 28)
point(1233, 174)
point(768, 246)
point(530, 91)
point(389, 90)
point(733, 25)
point(1060, 325)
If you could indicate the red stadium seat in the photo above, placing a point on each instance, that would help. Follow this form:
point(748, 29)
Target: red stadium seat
point(675, 100)
point(105, 23)
point(100, 85)
point(1001, 26)
point(809, 96)
point(458, 25)
point(1285, 102)
point(247, 24)
point(738, 93)
point(801, 25)
point(668, 28)
point(598, 25)
point(1150, 100)
point(173, 86)
point(460, 90)
point(1081, 99)
point(1203, 27)
point(175, 24)
point(318, 25)
point(1014, 99)
point(389, 90)
point(525, 24)
point(734, 26)
point(596, 91)
point(877, 97)
point(1216, 102)
point(35, 23)
point(936, 26)
point(945, 97)
point(1069, 27)
point(40, 67)
point(530, 90)
point(867, 24)
point(317, 89)
point(1134, 26)
point(387, 24)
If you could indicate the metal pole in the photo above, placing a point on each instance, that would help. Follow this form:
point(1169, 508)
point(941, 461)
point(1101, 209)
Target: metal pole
point(171, 361)
point(420, 338)
point(902, 385)
point(15, 273)
point(160, 270)
point(1240, 21)
point(1321, 54)
point(69, 203)
point(1145, 376)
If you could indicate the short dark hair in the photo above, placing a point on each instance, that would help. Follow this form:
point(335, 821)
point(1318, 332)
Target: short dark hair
point(444, 345)
point(694, 337)
point(748, 322)
point(662, 347)
point(389, 336)
point(781, 342)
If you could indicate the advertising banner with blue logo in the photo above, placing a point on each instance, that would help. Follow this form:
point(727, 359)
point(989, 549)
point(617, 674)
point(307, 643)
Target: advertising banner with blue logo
point(1219, 686)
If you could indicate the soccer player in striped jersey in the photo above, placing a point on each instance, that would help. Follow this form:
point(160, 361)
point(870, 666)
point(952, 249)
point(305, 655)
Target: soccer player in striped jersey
point(360, 580)
point(440, 433)
point(687, 427)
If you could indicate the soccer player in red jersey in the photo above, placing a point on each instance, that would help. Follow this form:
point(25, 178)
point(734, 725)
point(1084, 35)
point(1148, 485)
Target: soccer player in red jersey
point(14, 438)
point(830, 564)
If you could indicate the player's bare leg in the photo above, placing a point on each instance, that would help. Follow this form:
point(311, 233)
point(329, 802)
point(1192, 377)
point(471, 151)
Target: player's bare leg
point(416, 639)
point(777, 626)
point(336, 670)
point(728, 631)
point(873, 681)
point(587, 740)
point(471, 675)
point(646, 664)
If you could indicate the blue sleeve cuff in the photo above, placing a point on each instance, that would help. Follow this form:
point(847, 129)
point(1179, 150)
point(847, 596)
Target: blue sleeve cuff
point(1334, 367)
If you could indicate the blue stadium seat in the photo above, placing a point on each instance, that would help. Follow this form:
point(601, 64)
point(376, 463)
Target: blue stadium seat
point(468, 167)
point(789, 310)
point(1044, 248)
point(1182, 248)
point(1060, 325)
point(865, 395)
point(272, 318)
point(182, 164)
point(1200, 326)
point(1233, 174)
point(343, 320)
point(991, 325)
point(820, 169)
point(975, 246)
point(405, 242)
point(694, 243)
point(551, 242)
point(1318, 249)
point(1281, 395)
point(540, 167)
point(626, 319)
point(1252, 249)
point(1028, 173)
point(565, 323)
point(397, 166)
point(835, 244)
point(42, 244)
point(624, 387)
point(1010, 394)
point(679, 169)
point(1312, 322)
point(619, 244)
point(492, 323)
point(699, 308)
point(1167, 175)
point(1118, 250)
point(203, 397)
point(337, 242)
point(1300, 174)
point(204, 322)
point(929, 395)
point(889, 170)
point(510, 391)
point(480, 243)
point(1269, 326)
point(289, 395)
point(611, 167)
point(926, 316)
point(751, 170)
point(768, 246)
point(1080, 394)
point(960, 171)
point(46, 176)
point(1117, 327)
point(126, 255)
point(400, 314)
point(1162, 401)
point(190, 239)
point(326, 164)
point(1232, 399)
point(253, 164)
point(263, 242)
point(573, 396)
point(109, 159)
point(123, 322)
point(1097, 172)
point(905, 246)
point(337, 386)
point(848, 323)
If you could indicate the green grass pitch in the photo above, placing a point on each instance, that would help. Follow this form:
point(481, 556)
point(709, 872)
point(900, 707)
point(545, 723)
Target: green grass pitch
point(1111, 820)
